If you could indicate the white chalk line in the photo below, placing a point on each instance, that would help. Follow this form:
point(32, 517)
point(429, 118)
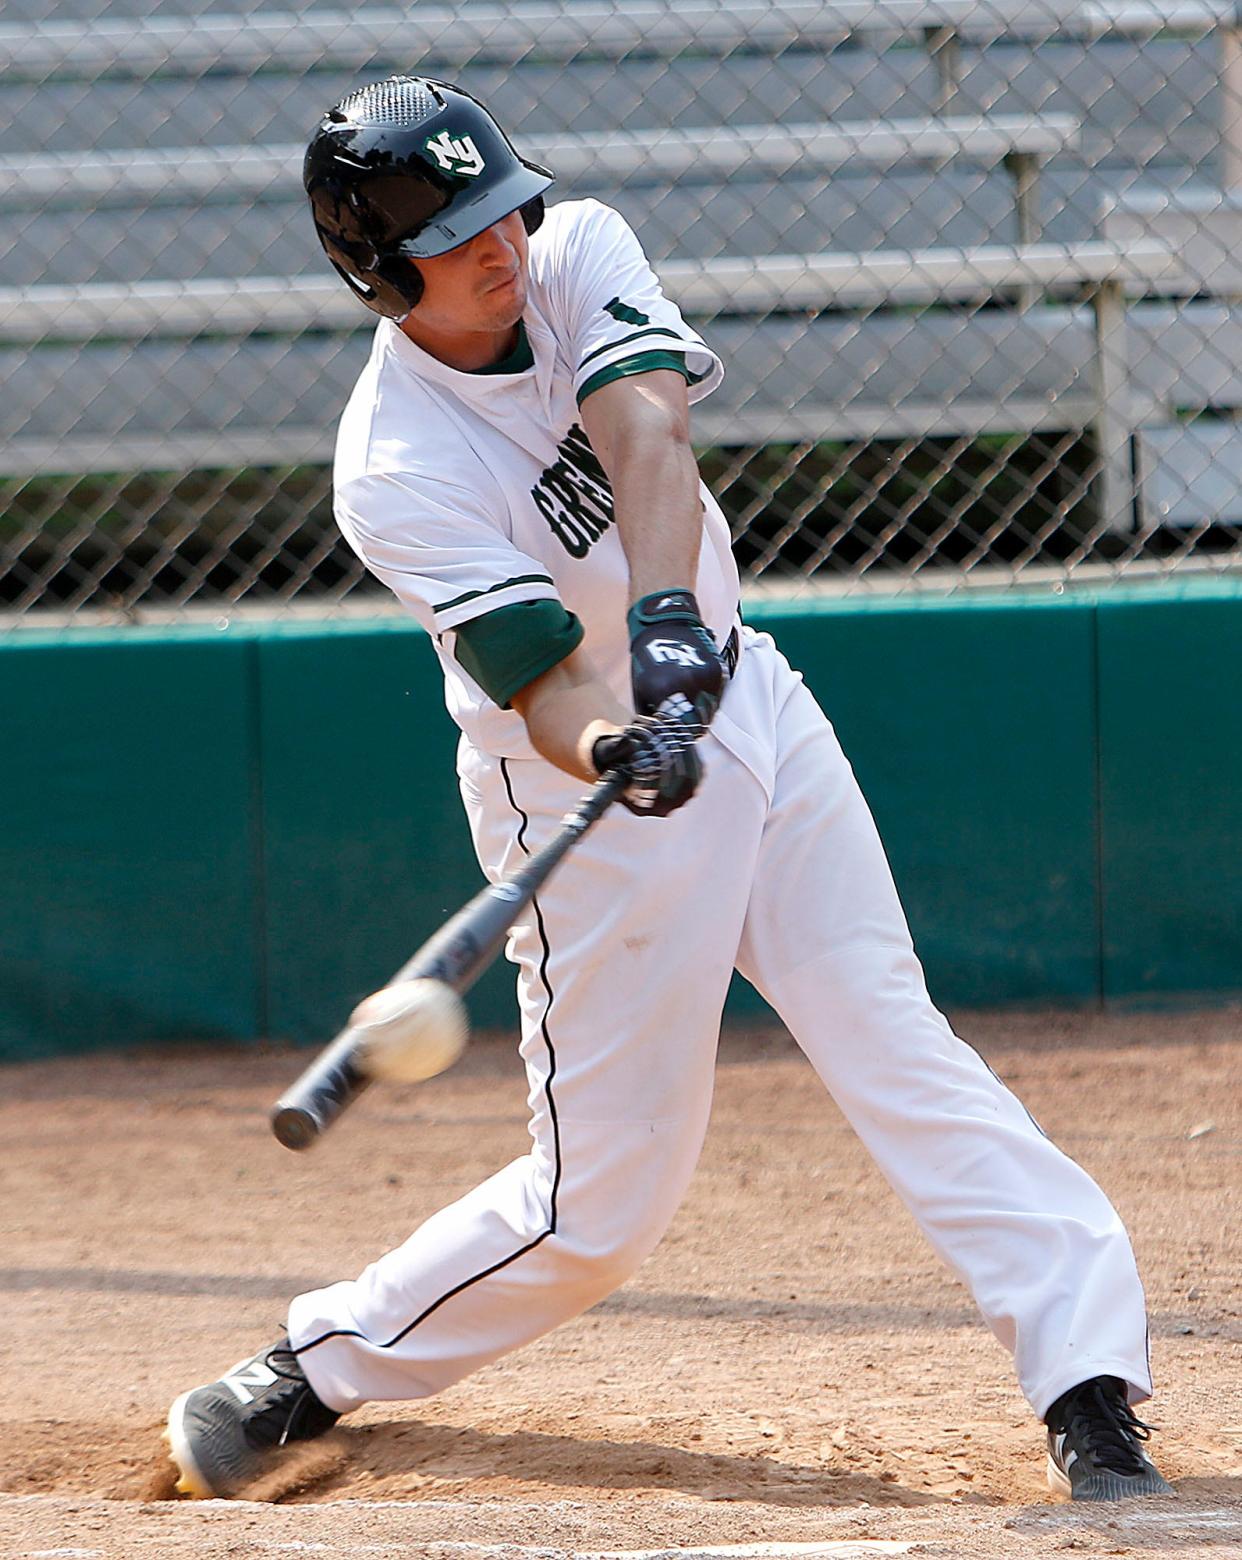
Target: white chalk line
point(62, 1554)
point(841, 1549)
point(1122, 1517)
point(849, 1549)
point(856, 1549)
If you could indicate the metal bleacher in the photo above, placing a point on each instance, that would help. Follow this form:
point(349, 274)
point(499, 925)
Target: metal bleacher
point(166, 305)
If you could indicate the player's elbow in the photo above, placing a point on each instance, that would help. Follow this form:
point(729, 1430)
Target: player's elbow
point(653, 423)
point(634, 417)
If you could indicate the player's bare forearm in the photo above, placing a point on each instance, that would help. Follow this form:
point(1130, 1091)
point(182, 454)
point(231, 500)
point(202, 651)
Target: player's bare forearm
point(567, 710)
point(639, 428)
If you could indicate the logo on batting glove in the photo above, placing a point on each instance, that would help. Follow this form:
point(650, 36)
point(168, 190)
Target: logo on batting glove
point(677, 651)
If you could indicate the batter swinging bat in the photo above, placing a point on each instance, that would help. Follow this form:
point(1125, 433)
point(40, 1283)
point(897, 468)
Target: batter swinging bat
point(456, 955)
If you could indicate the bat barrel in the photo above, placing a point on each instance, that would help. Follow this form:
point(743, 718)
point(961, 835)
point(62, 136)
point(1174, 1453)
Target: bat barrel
point(295, 1127)
point(315, 1099)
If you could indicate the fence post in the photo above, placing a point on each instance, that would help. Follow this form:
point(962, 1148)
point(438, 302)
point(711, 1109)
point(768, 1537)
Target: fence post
point(1112, 424)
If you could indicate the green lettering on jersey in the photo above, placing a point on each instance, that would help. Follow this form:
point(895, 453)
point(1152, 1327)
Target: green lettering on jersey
point(574, 495)
point(627, 316)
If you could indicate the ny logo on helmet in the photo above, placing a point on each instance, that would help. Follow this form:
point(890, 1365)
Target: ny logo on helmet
point(673, 650)
point(461, 156)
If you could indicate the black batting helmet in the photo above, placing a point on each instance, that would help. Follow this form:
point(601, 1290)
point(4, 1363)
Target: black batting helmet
point(405, 169)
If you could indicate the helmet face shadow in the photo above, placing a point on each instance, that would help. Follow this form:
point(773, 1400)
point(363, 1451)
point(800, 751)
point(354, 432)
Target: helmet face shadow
point(405, 169)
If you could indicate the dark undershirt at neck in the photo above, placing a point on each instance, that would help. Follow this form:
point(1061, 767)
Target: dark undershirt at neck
point(517, 362)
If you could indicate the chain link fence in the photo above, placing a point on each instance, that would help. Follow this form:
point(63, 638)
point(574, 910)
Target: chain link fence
point(974, 266)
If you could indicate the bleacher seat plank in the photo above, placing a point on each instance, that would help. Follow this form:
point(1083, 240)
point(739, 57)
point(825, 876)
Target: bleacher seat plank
point(761, 283)
point(834, 377)
point(1138, 18)
point(1202, 224)
point(489, 33)
point(729, 285)
point(180, 174)
point(479, 34)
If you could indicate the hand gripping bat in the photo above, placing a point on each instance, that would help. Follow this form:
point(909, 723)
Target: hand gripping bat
point(457, 955)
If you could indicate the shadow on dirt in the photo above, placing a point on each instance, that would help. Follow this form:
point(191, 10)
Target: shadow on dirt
point(416, 1461)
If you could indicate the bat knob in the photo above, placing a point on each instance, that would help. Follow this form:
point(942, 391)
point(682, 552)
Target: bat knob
point(294, 1128)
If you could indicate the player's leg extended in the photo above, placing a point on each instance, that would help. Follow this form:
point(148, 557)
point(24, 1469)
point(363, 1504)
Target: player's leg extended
point(1038, 1243)
point(623, 971)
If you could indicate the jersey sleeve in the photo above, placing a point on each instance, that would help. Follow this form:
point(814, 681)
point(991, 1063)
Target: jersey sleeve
point(616, 310)
point(436, 547)
point(506, 649)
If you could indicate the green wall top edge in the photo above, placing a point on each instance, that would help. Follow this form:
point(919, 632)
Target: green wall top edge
point(757, 609)
point(1019, 598)
point(231, 631)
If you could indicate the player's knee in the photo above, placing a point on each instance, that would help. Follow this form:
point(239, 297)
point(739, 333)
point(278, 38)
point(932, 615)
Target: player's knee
point(602, 1259)
point(608, 1244)
point(616, 1198)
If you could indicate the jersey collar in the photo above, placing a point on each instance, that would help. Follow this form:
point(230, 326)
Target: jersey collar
point(470, 383)
point(478, 387)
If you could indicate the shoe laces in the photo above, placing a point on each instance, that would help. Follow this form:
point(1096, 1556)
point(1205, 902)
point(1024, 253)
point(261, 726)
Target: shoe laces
point(288, 1410)
point(1108, 1428)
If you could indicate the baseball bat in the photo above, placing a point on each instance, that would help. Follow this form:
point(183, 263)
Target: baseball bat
point(457, 955)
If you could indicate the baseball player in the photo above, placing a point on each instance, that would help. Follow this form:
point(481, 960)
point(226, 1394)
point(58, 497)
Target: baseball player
point(515, 465)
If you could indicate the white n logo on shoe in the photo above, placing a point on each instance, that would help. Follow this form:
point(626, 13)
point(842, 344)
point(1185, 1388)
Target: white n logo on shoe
point(246, 1374)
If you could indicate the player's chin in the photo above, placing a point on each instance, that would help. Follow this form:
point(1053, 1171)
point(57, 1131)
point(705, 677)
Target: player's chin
point(506, 303)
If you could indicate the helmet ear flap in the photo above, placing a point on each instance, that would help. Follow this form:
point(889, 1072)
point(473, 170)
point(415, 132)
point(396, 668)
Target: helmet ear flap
point(402, 284)
point(408, 280)
point(532, 214)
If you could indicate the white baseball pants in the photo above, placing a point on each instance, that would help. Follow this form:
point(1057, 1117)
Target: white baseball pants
point(775, 867)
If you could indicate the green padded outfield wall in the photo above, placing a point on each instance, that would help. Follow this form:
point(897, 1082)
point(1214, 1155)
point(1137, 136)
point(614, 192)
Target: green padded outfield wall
point(128, 856)
point(236, 833)
point(971, 730)
point(1171, 795)
point(366, 850)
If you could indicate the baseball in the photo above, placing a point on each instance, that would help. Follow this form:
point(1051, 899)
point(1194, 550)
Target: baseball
point(410, 1031)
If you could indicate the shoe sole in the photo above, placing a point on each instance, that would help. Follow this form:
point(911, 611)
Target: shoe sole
point(191, 1481)
point(1058, 1479)
point(1105, 1487)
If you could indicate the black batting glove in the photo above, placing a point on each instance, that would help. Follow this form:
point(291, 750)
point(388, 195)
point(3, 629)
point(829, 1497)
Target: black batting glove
point(661, 760)
point(675, 668)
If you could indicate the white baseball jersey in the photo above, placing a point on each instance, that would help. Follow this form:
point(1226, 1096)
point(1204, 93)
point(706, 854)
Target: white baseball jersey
point(465, 492)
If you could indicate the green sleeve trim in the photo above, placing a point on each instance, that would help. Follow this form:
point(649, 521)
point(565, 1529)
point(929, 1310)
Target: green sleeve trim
point(471, 595)
point(653, 330)
point(641, 363)
point(506, 649)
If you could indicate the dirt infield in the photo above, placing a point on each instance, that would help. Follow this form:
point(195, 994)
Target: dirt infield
point(791, 1368)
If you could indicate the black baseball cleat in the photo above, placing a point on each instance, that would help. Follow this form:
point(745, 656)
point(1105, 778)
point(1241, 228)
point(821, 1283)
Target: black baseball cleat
point(224, 1435)
point(1095, 1445)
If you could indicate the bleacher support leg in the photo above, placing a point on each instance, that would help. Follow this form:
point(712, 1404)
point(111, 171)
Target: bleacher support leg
point(1023, 168)
point(1230, 115)
point(1113, 433)
point(945, 48)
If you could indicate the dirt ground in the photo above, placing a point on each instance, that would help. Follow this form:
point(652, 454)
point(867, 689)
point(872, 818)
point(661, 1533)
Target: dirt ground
point(792, 1372)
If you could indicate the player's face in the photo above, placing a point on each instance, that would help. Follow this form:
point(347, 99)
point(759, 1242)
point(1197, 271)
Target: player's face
point(480, 285)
